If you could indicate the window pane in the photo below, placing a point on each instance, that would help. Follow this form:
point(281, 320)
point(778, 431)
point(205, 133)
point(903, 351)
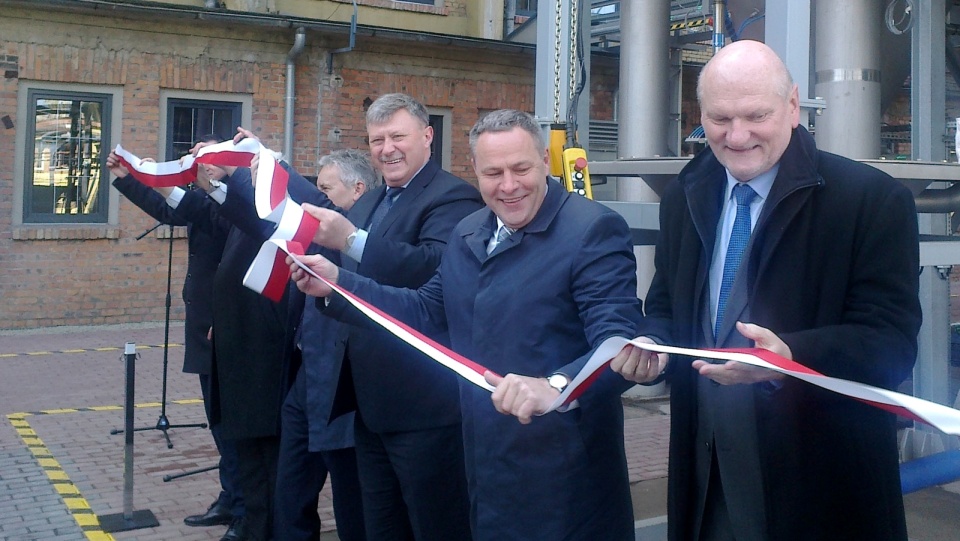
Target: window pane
point(527, 7)
point(192, 120)
point(66, 174)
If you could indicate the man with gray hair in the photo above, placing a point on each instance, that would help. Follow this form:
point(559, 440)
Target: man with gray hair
point(407, 428)
point(312, 446)
point(345, 175)
point(529, 287)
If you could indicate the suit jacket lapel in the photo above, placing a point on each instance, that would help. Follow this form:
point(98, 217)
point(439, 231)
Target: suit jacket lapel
point(416, 185)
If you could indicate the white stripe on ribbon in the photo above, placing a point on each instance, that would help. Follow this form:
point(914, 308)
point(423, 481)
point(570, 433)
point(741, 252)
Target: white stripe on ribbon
point(271, 187)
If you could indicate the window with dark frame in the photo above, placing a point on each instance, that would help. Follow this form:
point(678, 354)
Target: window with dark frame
point(188, 120)
point(65, 178)
point(527, 8)
point(436, 146)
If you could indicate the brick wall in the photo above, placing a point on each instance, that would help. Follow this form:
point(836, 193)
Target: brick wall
point(94, 275)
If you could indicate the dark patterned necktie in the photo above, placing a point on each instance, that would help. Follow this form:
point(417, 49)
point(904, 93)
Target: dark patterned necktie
point(738, 243)
point(385, 204)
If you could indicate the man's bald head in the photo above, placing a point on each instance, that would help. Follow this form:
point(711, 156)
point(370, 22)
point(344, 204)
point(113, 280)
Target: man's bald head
point(749, 107)
point(746, 62)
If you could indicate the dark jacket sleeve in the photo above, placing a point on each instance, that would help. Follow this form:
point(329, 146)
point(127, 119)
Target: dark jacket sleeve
point(203, 214)
point(148, 200)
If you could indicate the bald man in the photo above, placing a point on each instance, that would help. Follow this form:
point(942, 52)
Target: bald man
point(767, 241)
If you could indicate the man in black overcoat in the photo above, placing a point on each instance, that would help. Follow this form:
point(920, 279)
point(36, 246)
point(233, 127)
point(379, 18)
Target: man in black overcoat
point(827, 276)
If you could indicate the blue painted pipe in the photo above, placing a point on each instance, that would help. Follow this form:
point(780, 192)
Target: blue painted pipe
point(929, 471)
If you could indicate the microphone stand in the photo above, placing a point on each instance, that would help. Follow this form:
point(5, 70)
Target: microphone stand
point(163, 424)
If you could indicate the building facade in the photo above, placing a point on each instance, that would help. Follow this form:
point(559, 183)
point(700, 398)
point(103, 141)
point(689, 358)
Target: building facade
point(81, 77)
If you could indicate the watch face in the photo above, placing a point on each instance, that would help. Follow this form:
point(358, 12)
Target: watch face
point(557, 381)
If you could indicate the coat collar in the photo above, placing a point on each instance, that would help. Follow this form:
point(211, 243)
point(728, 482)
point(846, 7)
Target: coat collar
point(703, 181)
point(479, 233)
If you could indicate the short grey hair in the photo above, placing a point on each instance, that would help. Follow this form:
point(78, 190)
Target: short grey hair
point(354, 167)
point(504, 120)
point(386, 105)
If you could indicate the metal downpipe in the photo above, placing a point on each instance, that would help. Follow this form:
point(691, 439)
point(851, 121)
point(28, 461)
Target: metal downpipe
point(290, 94)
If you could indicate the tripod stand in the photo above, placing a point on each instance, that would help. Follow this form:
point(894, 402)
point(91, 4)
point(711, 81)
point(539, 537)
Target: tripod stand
point(163, 424)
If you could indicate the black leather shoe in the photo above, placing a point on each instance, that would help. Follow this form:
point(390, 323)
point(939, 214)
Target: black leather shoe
point(217, 514)
point(236, 531)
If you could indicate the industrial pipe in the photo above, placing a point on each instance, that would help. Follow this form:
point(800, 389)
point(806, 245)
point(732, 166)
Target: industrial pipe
point(938, 201)
point(929, 471)
point(719, 14)
point(290, 95)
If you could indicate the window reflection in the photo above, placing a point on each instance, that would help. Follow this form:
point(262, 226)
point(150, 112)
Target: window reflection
point(66, 157)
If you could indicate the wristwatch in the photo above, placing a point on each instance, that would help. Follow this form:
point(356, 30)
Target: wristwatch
point(558, 381)
point(349, 242)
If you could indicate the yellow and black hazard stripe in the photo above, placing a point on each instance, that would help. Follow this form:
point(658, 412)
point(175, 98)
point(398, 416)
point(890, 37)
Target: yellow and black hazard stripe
point(78, 506)
point(691, 23)
point(79, 350)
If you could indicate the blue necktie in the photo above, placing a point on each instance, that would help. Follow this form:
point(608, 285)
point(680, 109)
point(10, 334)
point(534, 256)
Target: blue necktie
point(502, 235)
point(383, 207)
point(738, 243)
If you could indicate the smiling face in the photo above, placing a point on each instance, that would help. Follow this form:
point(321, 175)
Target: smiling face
point(399, 147)
point(749, 108)
point(512, 175)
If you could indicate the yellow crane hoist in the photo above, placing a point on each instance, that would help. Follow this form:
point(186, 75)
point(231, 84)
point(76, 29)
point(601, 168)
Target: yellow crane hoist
point(567, 159)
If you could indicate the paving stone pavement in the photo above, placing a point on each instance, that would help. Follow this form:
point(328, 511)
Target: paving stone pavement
point(61, 392)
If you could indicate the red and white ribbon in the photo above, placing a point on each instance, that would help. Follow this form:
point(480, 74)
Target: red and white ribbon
point(271, 190)
point(268, 273)
point(184, 171)
point(941, 417)
point(463, 366)
point(158, 175)
point(229, 153)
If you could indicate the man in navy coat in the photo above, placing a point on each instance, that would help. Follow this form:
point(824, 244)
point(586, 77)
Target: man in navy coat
point(532, 304)
point(407, 426)
point(828, 278)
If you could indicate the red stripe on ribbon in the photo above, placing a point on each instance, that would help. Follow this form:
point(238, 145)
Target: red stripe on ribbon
point(306, 230)
point(279, 277)
point(225, 157)
point(278, 186)
point(475, 367)
point(789, 364)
